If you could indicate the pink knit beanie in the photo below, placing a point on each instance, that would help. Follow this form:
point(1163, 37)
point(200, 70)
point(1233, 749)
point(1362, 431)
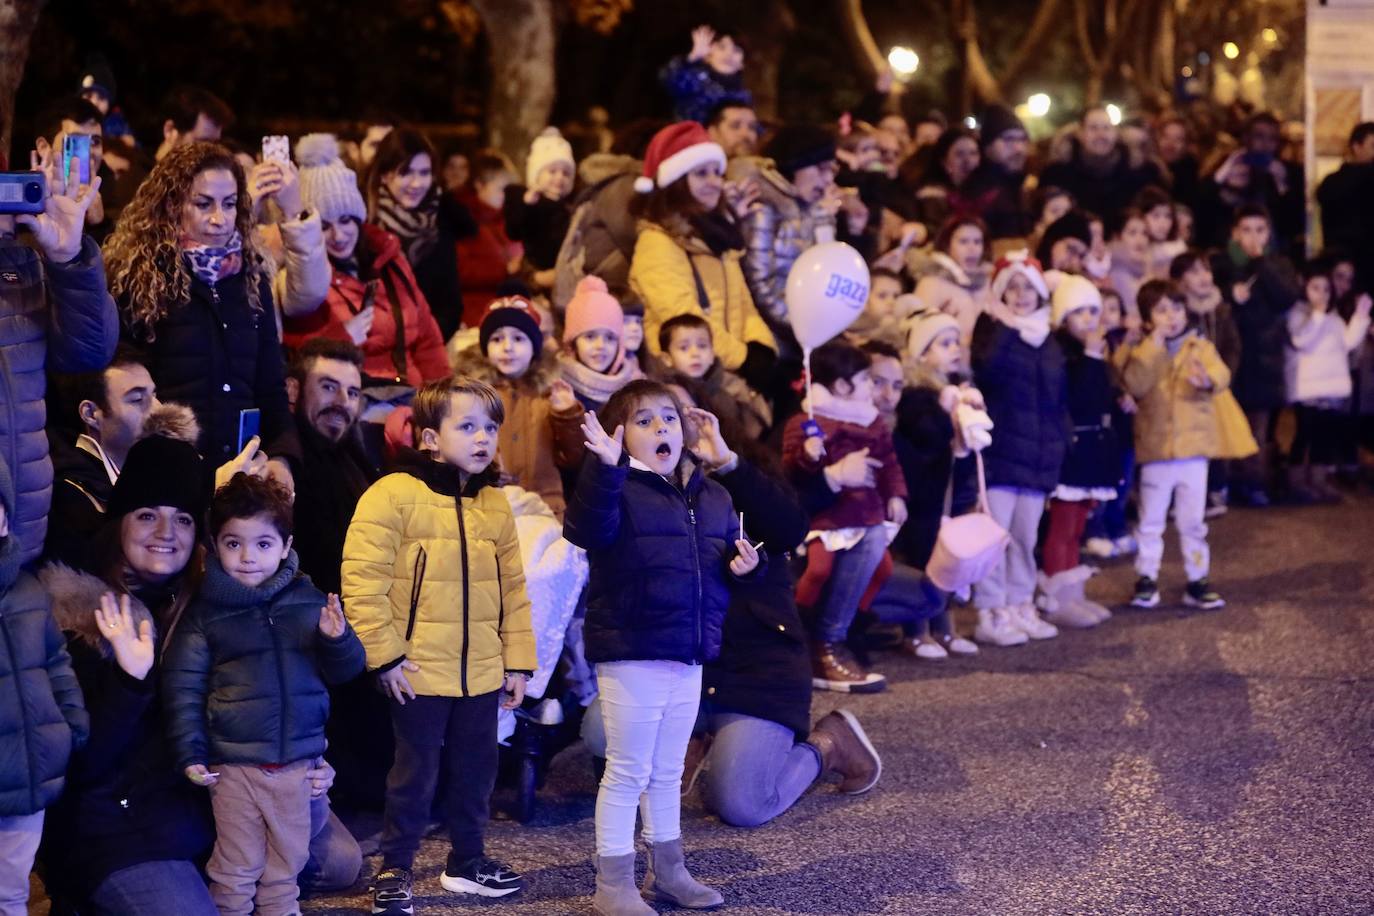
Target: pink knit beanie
point(592, 308)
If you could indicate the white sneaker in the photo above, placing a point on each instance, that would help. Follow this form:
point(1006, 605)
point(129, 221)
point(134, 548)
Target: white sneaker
point(958, 645)
point(996, 627)
point(1027, 619)
point(1125, 546)
point(931, 651)
point(1101, 548)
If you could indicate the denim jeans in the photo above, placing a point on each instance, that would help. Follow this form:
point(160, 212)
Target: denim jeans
point(756, 770)
point(152, 889)
point(908, 597)
point(335, 859)
point(853, 570)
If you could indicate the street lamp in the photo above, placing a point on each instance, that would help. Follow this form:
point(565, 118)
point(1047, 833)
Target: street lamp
point(1038, 104)
point(903, 61)
point(1231, 50)
point(1270, 36)
point(1113, 112)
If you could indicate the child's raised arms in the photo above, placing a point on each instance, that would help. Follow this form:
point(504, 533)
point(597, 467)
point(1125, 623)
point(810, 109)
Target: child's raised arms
point(606, 447)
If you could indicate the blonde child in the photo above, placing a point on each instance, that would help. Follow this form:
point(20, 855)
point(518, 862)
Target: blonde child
point(538, 213)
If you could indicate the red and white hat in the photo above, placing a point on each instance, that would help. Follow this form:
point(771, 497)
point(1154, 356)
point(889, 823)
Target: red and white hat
point(674, 151)
point(1018, 262)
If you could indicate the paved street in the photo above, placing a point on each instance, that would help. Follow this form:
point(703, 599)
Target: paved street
point(1168, 762)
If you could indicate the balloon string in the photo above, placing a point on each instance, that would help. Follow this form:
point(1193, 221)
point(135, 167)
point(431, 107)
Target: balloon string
point(806, 368)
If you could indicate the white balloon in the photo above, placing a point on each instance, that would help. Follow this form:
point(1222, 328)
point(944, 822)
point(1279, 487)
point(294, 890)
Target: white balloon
point(826, 291)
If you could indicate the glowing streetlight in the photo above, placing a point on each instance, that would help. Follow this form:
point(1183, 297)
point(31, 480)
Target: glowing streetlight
point(1270, 36)
point(971, 122)
point(1187, 72)
point(903, 61)
point(1038, 104)
point(1113, 112)
point(1231, 50)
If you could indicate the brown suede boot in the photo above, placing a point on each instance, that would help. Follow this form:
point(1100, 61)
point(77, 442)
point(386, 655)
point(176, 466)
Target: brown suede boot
point(616, 894)
point(668, 880)
point(846, 750)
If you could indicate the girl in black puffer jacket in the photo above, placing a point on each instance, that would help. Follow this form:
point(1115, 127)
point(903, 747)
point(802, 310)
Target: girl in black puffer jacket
point(658, 535)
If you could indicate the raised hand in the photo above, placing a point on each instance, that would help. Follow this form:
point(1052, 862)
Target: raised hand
point(747, 561)
point(395, 684)
point(133, 646)
point(332, 623)
point(710, 448)
point(1363, 304)
point(606, 447)
point(742, 197)
point(703, 36)
point(200, 774)
point(58, 229)
point(251, 461)
point(561, 397)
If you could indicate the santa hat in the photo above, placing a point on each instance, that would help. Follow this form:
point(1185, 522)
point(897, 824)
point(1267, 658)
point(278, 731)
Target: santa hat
point(674, 151)
point(1072, 293)
point(511, 312)
point(592, 308)
point(925, 327)
point(1018, 262)
point(328, 187)
point(547, 149)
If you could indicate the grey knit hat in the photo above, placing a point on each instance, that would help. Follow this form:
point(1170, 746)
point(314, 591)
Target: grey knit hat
point(327, 185)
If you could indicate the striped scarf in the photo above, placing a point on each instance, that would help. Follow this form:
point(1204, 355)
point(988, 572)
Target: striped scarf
point(417, 229)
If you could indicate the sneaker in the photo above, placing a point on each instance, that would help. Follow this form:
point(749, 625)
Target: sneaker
point(833, 668)
point(997, 627)
point(1216, 504)
point(1146, 593)
point(1100, 548)
point(1200, 594)
point(391, 893)
point(482, 876)
point(925, 648)
point(1027, 619)
point(1125, 546)
point(958, 645)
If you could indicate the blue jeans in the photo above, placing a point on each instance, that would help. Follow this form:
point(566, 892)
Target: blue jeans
point(335, 859)
point(852, 572)
point(908, 598)
point(150, 889)
point(756, 770)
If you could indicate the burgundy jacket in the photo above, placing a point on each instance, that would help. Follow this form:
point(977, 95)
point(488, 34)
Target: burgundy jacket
point(855, 508)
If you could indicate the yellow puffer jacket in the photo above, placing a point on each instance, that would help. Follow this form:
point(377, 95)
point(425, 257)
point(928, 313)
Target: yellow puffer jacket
point(443, 590)
point(661, 275)
point(1176, 419)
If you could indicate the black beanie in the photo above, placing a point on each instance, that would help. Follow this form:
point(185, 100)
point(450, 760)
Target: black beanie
point(1072, 225)
point(997, 120)
point(795, 146)
point(162, 472)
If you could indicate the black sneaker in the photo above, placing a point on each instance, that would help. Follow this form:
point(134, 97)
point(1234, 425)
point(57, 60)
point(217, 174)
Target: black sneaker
point(482, 876)
point(1200, 594)
point(391, 893)
point(1146, 593)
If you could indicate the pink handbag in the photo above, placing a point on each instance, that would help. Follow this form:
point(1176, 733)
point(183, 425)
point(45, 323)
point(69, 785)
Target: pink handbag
point(968, 546)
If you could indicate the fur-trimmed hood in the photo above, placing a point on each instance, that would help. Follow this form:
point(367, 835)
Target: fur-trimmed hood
point(175, 421)
point(75, 595)
point(542, 373)
point(599, 166)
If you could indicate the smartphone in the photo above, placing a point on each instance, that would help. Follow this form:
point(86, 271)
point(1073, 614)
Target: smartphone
point(250, 420)
point(22, 192)
point(276, 147)
point(77, 147)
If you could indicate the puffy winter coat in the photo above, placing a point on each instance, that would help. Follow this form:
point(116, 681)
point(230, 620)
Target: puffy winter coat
point(1094, 458)
point(924, 442)
point(432, 573)
point(486, 256)
point(696, 89)
point(42, 716)
point(301, 280)
point(219, 357)
point(1025, 389)
point(659, 557)
point(1317, 365)
point(1175, 419)
point(1260, 380)
point(856, 506)
point(246, 670)
point(404, 344)
point(53, 317)
point(662, 275)
point(1104, 187)
point(601, 236)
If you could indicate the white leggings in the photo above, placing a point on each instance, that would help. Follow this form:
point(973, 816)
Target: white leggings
point(649, 709)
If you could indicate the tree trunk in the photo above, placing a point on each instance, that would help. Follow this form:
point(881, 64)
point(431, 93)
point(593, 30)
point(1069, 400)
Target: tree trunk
point(859, 36)
point(18, 19)
point(520, 35)
point(977, 82)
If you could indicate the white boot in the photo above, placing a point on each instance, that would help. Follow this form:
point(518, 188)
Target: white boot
point(996, 627)
point(1057, 600)
point(1080, 576)
point(1027, 619)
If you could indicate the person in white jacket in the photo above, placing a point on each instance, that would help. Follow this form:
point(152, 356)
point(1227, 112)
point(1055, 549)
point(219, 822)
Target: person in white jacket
point(1318, 378)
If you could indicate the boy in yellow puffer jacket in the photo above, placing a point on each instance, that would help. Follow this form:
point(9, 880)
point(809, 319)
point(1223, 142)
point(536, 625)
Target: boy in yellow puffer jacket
point(434, 588)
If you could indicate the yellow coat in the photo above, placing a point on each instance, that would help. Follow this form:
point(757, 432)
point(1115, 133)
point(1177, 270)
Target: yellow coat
point(1176, 419)
point(444, 591)
point(661, 275)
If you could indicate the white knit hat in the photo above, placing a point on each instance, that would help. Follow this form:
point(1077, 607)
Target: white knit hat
point(327, 185)
point(1072, 293)
point(925, 327)
point(549, 147)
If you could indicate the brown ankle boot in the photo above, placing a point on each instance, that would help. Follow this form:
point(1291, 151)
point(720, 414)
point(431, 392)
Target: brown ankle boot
point(833, 668)
point(846, 750)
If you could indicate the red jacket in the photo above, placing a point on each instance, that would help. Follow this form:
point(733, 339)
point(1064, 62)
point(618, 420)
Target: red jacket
point(854, 507)
point(423, 358)
point(484, 256)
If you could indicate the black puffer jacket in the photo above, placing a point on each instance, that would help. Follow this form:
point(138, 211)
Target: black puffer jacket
point(1025, 389)
point(1094, 458)
point(219, 357)
point(659, 562)
point(764, 667)
point(246, 671)
point(924, 439)
point(1259, 382)
point(42, 716)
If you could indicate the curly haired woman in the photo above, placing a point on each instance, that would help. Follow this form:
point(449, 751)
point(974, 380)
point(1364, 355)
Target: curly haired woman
point(195, 295)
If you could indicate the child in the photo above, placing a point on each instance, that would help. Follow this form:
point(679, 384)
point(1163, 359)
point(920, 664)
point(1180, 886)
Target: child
point(632, 344)
point(1157, 208)
point(434, 585)
point(1092, 468)
point(1318, 376)
point(881, 318)
point(685, 346)
point(707, 77)
point(955, 278)
point(1108, 532)
point(488, 255)
point(1130, 251)
point(538, 213)
point(1019, 368)
point(846, 558)
point(43, 717)
point(245, 676)
point(592, 361)
point(542, 432)
point(1174, 375)
point(659, 536)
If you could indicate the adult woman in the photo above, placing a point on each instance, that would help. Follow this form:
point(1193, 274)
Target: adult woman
point(196, 296)
point(403, 198)
point(938, 175)
point(953, 277)
point(687, 258)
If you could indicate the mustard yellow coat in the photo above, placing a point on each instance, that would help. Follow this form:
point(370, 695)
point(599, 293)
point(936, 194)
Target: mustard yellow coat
point(444, 591)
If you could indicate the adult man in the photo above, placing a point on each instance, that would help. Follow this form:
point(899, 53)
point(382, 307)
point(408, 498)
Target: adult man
point(76, 117)
point(735, 127)
point(1171, 140)
point(996, 184)
point(193, 114)
point(1346, 197)
point(1098, 170)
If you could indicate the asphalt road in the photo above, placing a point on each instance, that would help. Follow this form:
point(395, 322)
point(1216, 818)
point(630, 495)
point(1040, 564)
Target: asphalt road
point(1170, 761)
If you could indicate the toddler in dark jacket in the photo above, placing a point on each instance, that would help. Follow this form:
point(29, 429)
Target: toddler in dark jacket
point(662, 538)
point(246, 674)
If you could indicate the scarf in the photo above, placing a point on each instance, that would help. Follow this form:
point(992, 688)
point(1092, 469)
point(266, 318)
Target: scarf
point(417, 229)
point(1207, 304)
point(1033, 328)
point(1096, 267)
point(211, 264)
point(718, 231)
point(846, 410)
point(593, 387)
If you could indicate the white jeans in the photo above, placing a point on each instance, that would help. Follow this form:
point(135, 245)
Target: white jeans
point(19, 835)
point(1184, 483)
point(649, 709)
point(1012, 580)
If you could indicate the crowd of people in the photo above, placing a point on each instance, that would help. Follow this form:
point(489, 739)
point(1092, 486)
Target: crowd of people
point(324, 477)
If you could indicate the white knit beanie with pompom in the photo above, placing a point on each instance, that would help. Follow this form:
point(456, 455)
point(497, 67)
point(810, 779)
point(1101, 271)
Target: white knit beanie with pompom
point(327, 185)
point(548, 148)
